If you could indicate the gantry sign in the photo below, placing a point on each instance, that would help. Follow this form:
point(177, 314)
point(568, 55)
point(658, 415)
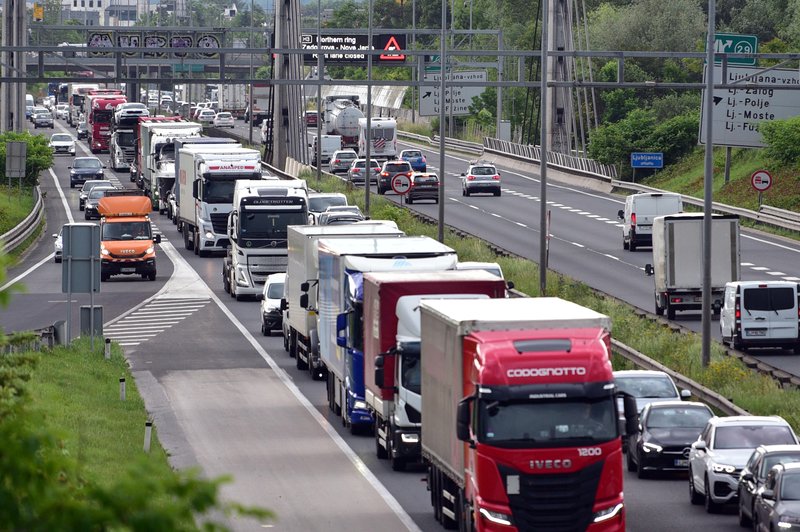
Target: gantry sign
point(350, 49)
point(97, 40)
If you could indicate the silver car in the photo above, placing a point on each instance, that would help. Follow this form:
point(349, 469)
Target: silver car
point(88, 186)
point(62, 143)
point(341, 161)
point(358, 171)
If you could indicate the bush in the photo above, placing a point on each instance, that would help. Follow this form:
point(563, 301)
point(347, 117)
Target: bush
point(39, 155)
point(783, 140)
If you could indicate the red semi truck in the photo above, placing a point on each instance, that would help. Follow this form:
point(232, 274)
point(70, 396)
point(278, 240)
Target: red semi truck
point(519, 416)
point(392, 349)
point(101, 105)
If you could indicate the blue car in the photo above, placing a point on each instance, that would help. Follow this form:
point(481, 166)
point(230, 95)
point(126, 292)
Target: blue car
point(416, 159)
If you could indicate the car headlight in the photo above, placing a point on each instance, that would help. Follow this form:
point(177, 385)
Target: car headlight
point(723, 468)
point(496, 517)
point(651, 447)
point(608, 513)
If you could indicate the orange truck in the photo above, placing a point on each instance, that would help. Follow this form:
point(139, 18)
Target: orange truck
point(127, 242)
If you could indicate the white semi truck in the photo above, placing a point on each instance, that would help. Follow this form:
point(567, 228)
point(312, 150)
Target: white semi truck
point(257, 227)
point(302, 285)
point(206, 181)
point(157, 154)
point(678, 260)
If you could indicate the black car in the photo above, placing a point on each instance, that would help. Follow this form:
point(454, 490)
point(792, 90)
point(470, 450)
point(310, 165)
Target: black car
point(754, 474)
point(82, 131)
point(424, 186)
point(83, 169)
point(666, 432)
point(777, 505)
point(93, 200)
point(389, 171)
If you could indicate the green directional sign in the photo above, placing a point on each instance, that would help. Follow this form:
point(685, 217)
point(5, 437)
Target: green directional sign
point(433, 63)
point(733, 43)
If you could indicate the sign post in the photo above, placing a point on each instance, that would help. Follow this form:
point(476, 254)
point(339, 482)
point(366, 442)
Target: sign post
point(761, 180)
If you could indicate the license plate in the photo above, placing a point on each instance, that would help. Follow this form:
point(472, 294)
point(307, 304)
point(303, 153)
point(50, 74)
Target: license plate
point(127, 270)
point(756, 332)
point(679, 462)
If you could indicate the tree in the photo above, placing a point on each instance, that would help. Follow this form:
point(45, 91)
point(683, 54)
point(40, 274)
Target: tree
point(39, 154)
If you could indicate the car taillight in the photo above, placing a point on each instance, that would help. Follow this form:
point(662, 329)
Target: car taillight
point(385, 174)
point(408, 174)
point(337, 161)
point(356, 169)
point(633, 218)
point(470, 178)
point(496, 177)
point(423, 158)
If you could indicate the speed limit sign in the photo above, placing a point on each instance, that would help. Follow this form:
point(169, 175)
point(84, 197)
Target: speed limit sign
point(401, 184)
point(761, 180)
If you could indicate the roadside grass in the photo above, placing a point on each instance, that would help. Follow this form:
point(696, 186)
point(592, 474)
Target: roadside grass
point(15, 204)
point(680, 351)
point(75, 393)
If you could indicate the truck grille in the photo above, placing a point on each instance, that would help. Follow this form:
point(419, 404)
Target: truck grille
point(262, 266)
point(219, 221)
point(557, 503)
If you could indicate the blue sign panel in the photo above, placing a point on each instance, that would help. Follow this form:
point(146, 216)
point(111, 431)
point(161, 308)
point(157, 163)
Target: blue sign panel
point(647, 160)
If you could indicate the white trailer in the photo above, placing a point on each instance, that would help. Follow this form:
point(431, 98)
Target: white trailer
point(678, 260)
point(301, 286)
point(232, 98)
point(383, 138)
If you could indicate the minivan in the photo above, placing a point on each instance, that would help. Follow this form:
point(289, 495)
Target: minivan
point(637, 217)
point(761, 314)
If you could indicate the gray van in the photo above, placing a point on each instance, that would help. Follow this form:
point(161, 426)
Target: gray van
point(638, 214)
point(761, 314)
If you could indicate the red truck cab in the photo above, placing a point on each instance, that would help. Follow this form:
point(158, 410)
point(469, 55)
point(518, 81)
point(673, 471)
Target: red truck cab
point(98, 122)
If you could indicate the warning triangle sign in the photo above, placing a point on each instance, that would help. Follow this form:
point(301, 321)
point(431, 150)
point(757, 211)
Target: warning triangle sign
point(392, 46)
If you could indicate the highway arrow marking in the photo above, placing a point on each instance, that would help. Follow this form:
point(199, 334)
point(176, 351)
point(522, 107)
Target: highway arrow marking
point(427, 94)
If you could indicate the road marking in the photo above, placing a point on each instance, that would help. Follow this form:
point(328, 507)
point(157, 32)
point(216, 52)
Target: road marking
point(776, 274)
point(759, 268)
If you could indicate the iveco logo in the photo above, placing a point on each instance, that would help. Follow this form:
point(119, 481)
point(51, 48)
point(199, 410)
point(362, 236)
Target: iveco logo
point(551, 464)
point(128, 251)
point(546, 372)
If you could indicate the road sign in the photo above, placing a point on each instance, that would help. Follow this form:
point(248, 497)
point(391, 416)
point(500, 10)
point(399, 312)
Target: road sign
point(738, 112)
point(734, 43)
point(401, 184)
point(350, 49)
point(647, 160)
point(433, 63)
point(456, 97)
point(761, 180)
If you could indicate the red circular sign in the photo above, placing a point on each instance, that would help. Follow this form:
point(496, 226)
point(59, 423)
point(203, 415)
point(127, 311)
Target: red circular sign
point(401, 184)
point(761, 180)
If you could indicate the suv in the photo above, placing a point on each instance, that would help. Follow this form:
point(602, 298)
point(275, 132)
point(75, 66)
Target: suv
point(341, 160)
point(423, 186)
point(88, 186)
point(764, 458)
point(389, 170)
point(42, 118)
point(358, 171)
point(760, 314)
point(482, 177)
point(721, 452)
point(777, 505)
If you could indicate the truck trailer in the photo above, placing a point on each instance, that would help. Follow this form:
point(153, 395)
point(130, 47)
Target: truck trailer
point(678, 260)
point(519, 416)
point(302, 282)
point(342, 263)
point(392, 349)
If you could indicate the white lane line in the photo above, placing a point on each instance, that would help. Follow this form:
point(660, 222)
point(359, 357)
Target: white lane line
point(577, 244)
point(776, 274)
point(127, 344)
point(167, 313)
point(495, 215)
point(520, 224)
point(584, 213)
point(122, 328)
point(611, 256)
point(746, 263)
point(592, 216)
point(797, 279)
point(759, 268)
point(131, 336)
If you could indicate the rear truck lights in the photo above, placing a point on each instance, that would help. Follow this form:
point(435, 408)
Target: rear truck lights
point(608, 513)
point(633, 218)
point(676, 300)
point(723, 468)
point(496, 517)
point(409, 438)
point(651, 448)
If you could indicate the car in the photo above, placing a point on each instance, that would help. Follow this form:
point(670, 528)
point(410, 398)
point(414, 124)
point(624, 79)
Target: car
point(206, 116)
point(481, 177)
point(311, 118)
point(760, 314)
point(754, 474)
point(341, 160)
point(88, 186)
point(83, 169)
point(62, 111)
point(271, 311)
point(130, 110)
point(29, 112)
point(172, 206)
point(58, 245)
point(665, 432)
point(721, 451)
point(318, 202)
point(90, 210)
point(416, 159)
point(42, 118)
point(338, 215)
point(37, 109)
point(223, 119)
point(81, 130)
point(357, 171)
point(424, 186)
point(62, 143)
point(389, 170)
point(639, 212)
point(777, 505)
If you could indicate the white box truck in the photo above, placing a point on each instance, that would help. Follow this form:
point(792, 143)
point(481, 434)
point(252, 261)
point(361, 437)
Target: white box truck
point(301, 286)
point(678, 260)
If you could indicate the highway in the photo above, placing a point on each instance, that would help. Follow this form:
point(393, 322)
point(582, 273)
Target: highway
point(231, 401)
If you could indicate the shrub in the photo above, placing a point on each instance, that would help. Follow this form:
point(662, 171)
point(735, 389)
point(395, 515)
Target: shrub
point(783, 140)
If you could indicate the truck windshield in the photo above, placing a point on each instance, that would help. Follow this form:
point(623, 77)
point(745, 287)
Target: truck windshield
point(529, 423)
point(218, 191)
point(102, 116)
point(270, 225)
point(126, 231)
point(126, 138)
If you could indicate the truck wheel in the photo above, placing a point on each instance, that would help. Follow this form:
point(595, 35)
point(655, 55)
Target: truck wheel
point(226, 285)
point(398, 464)
point(465, 523)
point(285, 342)
point(625, 244)
point(264, 329)
point(659, 308)
point(670, 312)
point(196, 240)
point(151, 276)
point(292, 343)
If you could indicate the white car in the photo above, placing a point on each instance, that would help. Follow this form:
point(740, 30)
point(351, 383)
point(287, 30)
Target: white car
point(223, 119)
point(58, 245)
point(720, 453)
point(271, 312)
point(206, 116)
point(62, 111)
point(62, 143)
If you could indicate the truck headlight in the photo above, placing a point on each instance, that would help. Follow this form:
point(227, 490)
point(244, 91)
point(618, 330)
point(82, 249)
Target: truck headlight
point(608, 513)
point(496, 517)
point(104, 252)
point(409, 438)
point(359, 405)
point(149, 250)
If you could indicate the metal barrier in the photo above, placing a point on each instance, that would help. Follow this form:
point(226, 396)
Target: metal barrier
point(11, 240)
point(780, 213)
point(559, 160)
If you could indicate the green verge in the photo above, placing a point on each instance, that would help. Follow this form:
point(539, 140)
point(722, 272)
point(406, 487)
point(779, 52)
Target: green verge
point(679, 351)
point(15, 204)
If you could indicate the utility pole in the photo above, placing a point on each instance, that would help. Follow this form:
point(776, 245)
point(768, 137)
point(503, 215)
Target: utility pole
point(12, 64)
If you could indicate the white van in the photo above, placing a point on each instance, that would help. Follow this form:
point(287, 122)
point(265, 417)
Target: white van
point(760, 314)
point(637, 217)
point(330, 144)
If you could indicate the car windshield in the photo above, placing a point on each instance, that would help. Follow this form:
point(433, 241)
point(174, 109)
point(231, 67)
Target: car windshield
point(483, 170)
point(531, 423)
point(98, 192)
point(773, 459)
point(89, 185)
point(790, 487)
point(412, 154)
point(87, 163)
point(651, 387)
point(275, 291)
point(61, 138)
point(678, 417)
point(751, 436)
point(321, 204)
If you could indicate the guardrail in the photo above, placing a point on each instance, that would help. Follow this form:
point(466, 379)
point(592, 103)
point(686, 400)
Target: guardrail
point(11, 240)
point(561, 161)
point(780, 213)
point(473, 148)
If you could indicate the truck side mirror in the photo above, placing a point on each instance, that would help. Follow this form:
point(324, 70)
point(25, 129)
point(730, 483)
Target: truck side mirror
point(621, 214)
point(304, 301)
point(341, 329)
point(462, 420)
point(768, 494)
point(195, 187)
point(631, 413)
point(304, 286)
point(379, 361)
point(648, 269)
point(157, 239)
point(284, 304)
